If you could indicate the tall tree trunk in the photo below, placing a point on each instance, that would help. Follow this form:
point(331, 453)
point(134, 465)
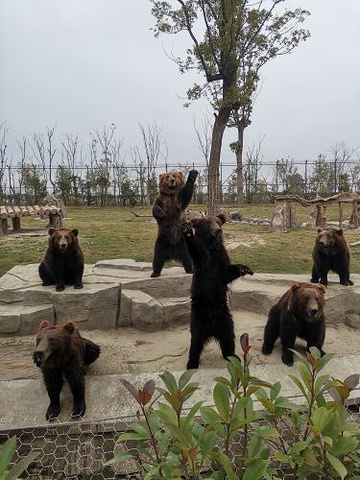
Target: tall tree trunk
point(213, 201)
point(239, 165)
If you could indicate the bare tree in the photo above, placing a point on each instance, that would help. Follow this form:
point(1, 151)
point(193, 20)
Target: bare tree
point(45, 154)
point(155, 147)
point(140, 173)
point(252, 168)
point(203, 136)
point(341, 155)
point(4, 129)
point(21, 166)
point(70, 150)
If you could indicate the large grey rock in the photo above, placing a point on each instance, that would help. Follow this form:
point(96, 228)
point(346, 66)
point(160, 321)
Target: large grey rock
point(22, 319)
point(141, 310)
point(124, 264)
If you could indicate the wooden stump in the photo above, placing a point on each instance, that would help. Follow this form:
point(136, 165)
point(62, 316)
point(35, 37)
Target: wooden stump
point(16, 224)
point(4, 226)
point(55, 220)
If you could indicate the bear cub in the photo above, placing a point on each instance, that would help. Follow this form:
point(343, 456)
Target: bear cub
point(169, 211)
point(298, 313)
point(331, 252)
point(63, 263)
point(61, 353)
point(210, 314)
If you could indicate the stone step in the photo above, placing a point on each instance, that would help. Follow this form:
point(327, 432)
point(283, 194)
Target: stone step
point(19, 319)
point(142, 311)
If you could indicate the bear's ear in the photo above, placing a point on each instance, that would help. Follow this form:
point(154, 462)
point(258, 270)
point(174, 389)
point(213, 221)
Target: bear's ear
point(221, 217)
point(161, 176)
point(75, 231)
point(339, 231)
point(292, 290)
point(51, 231)
point(321, 288)
point(44, 324)
point(69, 327)
point(320, 230)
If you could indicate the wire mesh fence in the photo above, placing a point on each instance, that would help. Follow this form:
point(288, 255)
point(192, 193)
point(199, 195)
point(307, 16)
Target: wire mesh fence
point(79, 450)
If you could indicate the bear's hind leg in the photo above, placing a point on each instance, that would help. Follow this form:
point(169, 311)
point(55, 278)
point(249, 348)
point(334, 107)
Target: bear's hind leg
point(226, 339)
point(76, 382)
point(161, 254)
point(198, 340)
point(271, 333)
point(54, 382)
point(46, 277)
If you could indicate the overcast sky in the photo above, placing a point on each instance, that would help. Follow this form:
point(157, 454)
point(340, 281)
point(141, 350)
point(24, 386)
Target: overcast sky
point(83, 64)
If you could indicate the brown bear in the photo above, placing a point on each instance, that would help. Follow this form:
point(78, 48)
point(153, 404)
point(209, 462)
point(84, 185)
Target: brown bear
point(61, 353)
point(331, 252)
point(298, 313)
point(169, 210)
point(210, 314)
point(63, 263)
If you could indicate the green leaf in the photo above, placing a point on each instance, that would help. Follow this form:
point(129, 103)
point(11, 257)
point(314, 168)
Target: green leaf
point(120, 458)
point(255, 470)
point(21, 466)
point(210, 415)
point(225, 463)
point(281, 457)
point(352, 381)
point(254, 446)
point(343, 445)
point(170, 382)
point(133, 436)
point(298, 384)
point(7, 451)
point(221, 396)
point(338, 466)
point(185, 378)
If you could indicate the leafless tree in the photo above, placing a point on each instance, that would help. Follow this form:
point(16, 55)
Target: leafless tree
point(203, 136)
point(140, 173)
point(22, 144)
point(252, 168)
point(45, 154)
point(3, 156)
point(341, 156)
point(70, 150)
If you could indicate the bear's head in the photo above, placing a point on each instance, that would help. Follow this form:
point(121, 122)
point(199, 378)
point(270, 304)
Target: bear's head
point(62, 239)
point(171, 182)
point(208, 229)
point(329, 239)
point(307, 301)
point(51, 340)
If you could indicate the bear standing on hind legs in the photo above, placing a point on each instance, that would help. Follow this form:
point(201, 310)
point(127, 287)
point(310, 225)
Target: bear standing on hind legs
point(62, 352)
point(331, 252)
point(210, 315)
point(169, 211)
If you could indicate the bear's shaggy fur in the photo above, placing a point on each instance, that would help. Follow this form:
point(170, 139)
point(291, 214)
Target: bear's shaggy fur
point(298, 313)
point(61, 353)
point(210, 315)
point(169, 211)
point(63, 263)
point(331, 252)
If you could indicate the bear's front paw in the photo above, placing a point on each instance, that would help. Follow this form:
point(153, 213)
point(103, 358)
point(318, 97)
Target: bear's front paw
point(53, 411)
point(79, 409)
point(288, 358)
point(60, 288)
point(267, 349)
point(187, 230)
point(193, 175)
point(245, 270)
point(78, 285)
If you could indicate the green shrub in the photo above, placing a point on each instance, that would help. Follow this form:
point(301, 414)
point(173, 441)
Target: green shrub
point(7, 451)
point(314, 437)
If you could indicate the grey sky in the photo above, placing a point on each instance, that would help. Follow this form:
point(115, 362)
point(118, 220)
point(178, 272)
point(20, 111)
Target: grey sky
point(86, 63)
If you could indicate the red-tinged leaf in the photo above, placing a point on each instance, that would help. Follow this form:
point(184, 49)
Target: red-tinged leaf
point(244, 343)
point(150, 387)
point(130, 388)
point(144, 397)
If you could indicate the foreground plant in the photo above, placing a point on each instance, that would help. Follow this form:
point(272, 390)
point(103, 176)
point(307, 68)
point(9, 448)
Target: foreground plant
point(7, 451)
point(232, 439)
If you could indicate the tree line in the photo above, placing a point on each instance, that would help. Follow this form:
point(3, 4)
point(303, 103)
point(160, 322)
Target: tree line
point(100, 174)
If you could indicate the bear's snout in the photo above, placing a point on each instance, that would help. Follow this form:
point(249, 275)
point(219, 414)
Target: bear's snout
point(38, 358)
point(313, 312)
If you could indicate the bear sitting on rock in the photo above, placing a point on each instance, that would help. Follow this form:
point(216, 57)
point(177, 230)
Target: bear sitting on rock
point(298, 313)
point(63, 263)
point(169, 210)
point(61, 353)
point(210, 315)
point(331, 252)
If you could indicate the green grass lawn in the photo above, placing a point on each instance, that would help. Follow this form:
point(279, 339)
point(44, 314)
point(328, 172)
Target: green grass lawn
point(115, 232)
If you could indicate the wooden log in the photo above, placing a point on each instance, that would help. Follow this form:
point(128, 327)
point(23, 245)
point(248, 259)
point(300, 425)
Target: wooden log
point(3, 212)
point(46, 210)
point(17, 211)
point(10, 212)
point(24, 210)
point(38, 210)
point(31, 210)
point(16, 224)
point(341, 211)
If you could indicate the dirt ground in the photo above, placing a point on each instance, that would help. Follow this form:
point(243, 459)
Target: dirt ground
point(128, 350)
